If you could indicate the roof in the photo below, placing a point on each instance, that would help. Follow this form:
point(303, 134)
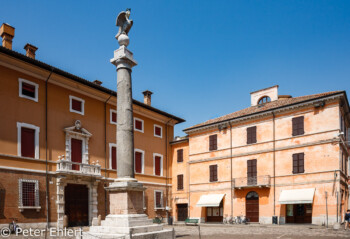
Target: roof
point(80, 80)
point(267, 106)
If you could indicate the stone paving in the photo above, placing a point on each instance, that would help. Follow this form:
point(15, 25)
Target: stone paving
point(259, 232)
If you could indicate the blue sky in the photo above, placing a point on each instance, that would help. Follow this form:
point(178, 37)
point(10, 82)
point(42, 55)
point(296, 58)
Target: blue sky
point(200, 58)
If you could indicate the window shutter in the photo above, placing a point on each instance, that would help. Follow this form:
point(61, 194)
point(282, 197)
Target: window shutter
point(27, 142)
point(213, 142)
point(157, 165)
point(76, 105)
point(251, 135)
point(301, 163)
point(114, 157)
point(157, 131)
point(180, 182)
point(28, 89)
point(138, 162)
point(295, 163)
point(138, 124)
point(213, 173)
point(298, 125)
point(114, 117)
point(180, 153)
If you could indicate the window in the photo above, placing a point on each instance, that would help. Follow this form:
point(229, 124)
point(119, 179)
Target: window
point(139, 160)
point(28, 140)
point(264, 99)
point(180, 182)
point(76, 153)
point(251, 135)
point(158, 199)
point(298, 125)
point(138, 125)
point(112, 156)
point(251, 172)
point(298, 163)
point(180, 155)
point(158, 131)
point(76, 105)
point(28, 90)
point(213, 171)
point(158, 164)
point(28, 194)
point(113, 117)
point(213, 142)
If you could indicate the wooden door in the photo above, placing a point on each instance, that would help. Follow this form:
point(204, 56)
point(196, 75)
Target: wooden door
point(251, 172)
point(299, 213)
point(76, 147)
point(252, 207)
point(215, 214)
point(182, 212)
point(77, 204)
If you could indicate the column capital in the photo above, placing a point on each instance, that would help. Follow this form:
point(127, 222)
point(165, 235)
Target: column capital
point(123, 58)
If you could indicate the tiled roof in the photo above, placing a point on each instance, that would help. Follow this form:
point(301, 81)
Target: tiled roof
point(261, 108)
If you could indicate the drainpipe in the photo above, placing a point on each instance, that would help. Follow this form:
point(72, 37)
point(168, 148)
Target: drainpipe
point(166, 163)
point(105, 126)
point(231, 168)
point(46, 160)
point(274, 164)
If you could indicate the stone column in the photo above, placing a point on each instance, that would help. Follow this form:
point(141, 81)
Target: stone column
point(123, 60)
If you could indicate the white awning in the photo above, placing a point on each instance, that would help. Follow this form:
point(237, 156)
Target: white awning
point(297, 196)
point(211, 200)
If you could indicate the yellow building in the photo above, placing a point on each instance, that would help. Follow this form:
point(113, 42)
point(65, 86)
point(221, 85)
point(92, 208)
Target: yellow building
point(282, 156)
point(58, 143)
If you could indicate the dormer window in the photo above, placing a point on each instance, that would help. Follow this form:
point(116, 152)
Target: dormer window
point(264, 99)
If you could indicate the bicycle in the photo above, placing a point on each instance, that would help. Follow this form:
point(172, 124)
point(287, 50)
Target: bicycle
point(158, 219)
point(13, 225)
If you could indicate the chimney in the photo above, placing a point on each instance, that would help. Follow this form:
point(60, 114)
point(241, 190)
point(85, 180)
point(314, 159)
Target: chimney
point(30, 50)
point(97, 82)
point(7, 33)
point(147, 97)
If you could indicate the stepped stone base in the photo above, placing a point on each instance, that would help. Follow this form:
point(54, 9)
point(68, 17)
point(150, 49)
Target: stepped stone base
point(128, 226)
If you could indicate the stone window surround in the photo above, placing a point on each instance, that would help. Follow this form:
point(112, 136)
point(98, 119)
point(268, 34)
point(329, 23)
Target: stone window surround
point(161, 200)
point(143, 125)
point(20, 196)
point(110, 154)
point(71, 97)
point(143, 160)
point(161, 131)
point(84, 135)
point(111, 111)
point(36, 98)
point(154, 164)
point(19, 138)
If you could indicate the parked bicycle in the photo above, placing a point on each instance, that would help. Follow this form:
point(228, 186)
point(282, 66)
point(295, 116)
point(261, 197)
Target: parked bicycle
point(13, 225)
point(158, 219)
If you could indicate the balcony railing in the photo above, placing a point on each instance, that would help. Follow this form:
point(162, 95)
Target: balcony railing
point(247, 182)
point(65, 166)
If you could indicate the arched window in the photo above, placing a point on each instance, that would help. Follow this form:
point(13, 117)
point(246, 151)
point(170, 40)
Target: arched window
point(264, 100)
point(252, 195)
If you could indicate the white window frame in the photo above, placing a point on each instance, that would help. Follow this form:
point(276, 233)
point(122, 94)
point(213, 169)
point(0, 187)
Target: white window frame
point(20, 196)
point(143, 125)
point(19, 138)
point(154, 164)
point(71, 97)
point(110, 154)
point(36, 98)
point(111, 111)
point(161, 131)
point(161, 199)
point(143, 160)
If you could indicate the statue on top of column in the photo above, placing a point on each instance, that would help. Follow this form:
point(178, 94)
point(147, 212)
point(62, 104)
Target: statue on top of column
point(124, 23)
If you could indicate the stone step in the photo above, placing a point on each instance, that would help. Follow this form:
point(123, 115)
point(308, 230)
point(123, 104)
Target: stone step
point(149, 228)
point(164, 234)
point(89, 235)
point(131, 223)
point(126, 230)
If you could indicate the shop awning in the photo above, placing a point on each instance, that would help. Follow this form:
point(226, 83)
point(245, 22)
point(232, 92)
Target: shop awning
point(297, 196)
point(211, 200)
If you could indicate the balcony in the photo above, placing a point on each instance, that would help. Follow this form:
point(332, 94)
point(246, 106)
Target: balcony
point(68, 167)
point(252, 182)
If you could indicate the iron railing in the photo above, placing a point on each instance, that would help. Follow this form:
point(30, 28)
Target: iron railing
point(259, 181)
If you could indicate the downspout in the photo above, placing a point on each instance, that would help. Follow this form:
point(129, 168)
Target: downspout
point(46, 159)
point(231, 168)
point(167, 169)
point(274, 163)
point(105, 126)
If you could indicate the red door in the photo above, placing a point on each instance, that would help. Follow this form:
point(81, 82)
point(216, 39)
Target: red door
point(76, 145)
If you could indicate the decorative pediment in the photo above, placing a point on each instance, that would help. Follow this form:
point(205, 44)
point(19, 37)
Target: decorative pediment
point(78, 130)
